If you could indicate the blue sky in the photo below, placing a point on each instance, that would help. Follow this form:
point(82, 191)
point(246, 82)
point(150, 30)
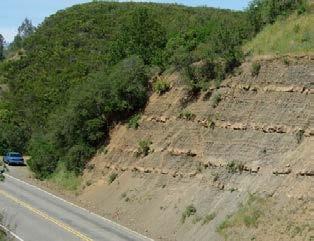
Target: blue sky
point(13, 12)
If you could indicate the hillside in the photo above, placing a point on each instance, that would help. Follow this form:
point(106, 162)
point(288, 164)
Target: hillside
point(152, 116)
point(256, 145)
point(294, 35)
point(102, 54)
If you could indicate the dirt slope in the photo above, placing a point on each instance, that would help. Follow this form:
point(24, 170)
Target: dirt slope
point(254, 147)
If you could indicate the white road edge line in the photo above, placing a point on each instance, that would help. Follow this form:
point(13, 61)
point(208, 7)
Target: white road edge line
point(84, 209)
point(11, 233)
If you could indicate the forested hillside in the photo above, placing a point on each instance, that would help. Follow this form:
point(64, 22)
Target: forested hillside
point(88, 67)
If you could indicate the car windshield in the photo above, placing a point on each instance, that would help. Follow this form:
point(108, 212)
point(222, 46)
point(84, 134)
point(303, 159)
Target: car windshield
point(15, 155)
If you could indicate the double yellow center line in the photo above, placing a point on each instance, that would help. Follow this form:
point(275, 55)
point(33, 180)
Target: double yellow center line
point(46, 216)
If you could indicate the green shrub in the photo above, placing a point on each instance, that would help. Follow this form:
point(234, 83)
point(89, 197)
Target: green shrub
point(263, 12)
point(112, 177)
point(3, 234)
point(144, 147)
point(208, 218)
point(44, 157)
point(296, 28)
point(303, 7)
point(235, 167)
point(161, 86)
point(134, 121)
point(286, 61)
point(299, 136)
point(77, 157)
point(216, 99)
point(187, 115)
point(210, 122)
point(189, 211)
point(255, 69)
point(196, 219)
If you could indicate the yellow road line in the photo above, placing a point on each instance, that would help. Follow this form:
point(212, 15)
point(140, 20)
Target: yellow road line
point(46, 216)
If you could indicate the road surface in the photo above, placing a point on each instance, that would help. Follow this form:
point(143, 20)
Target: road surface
point(36, 215)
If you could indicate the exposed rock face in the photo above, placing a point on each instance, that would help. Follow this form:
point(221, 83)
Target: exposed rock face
point(259, 138)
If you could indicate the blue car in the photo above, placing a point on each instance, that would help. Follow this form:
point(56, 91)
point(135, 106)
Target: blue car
point(13, 158)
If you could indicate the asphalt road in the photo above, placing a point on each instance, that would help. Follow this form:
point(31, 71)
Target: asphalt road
point(35, 215)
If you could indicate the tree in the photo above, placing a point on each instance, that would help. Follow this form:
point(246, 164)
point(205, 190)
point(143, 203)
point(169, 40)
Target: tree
point(24, 31)
point(1, 47)
point(26, 28)
point(143, 36)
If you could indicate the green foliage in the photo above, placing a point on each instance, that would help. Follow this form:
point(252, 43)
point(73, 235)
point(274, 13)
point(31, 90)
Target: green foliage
point(3, 234)
point(247, 216)
point(220, 54)
point(263, 12)
point(112, 177)
point(24, 31)
point(189, 211)
point(235, 167)
point(300, 136)
point(66, 179)
point(292, 35)
point(142, 35)
point(208, 218)
point(134, 121)
point(1, 48)
point(77, 129)
point(161, 86)
point(44, 156)
point(216, 99)
point(144, 147)
point(256, 67)
point(187, 115)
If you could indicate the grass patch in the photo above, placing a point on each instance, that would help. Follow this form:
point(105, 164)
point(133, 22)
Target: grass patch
point(255, 69)
point(144, 147)
point(3, 235)
point(247, 216)
point(235, 167)
point(210, 122)
point(208, 218)
point(187, 115)
point(134, 122)
point(189, 211)
point(299, 136)
point(196, 219)
point(294, 35)
point(113, 176)
point(216, 99)
point(65, 179)
point(161, 86)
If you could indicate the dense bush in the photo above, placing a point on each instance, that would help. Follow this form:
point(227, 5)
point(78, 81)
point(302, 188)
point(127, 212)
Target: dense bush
point(255, 68)
point(144, 147)
point(76, 130)
point(263, 12)
point(161, 86)
point(189, 211)
point(134, 121)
